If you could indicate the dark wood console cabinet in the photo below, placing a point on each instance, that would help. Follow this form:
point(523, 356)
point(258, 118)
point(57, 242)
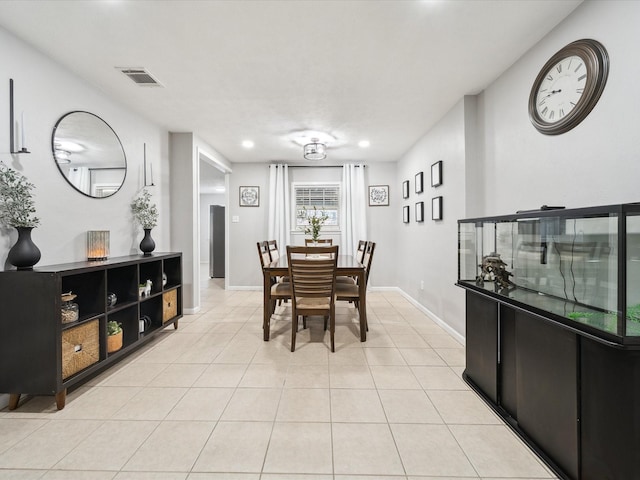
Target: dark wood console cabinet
point(40, 355)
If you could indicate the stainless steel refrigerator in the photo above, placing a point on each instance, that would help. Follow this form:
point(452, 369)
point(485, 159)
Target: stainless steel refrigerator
point(216, 241)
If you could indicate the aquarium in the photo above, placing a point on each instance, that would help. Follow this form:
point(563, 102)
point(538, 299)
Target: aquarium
point(580, 265)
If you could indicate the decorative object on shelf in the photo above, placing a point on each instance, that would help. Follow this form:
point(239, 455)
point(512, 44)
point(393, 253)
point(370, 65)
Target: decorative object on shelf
point(405, 214)
point(112, 299)
point(146, 214)
point(378, 195)
point(316, 220)
point(436, 174)
point(17, 210)
point(164, 279)
point(144, 289)
point(495, 270)
point(250, 196)
point(315, 150)
point(70, 309)
point(405, 189)
point(23, 132)
point(97, 245)
point(145, 168)
point(419, 182)
point(420, 212)
point(144, 324)
point(114, 336)
point(88, 154)
point(568, 86)
point(436, 208)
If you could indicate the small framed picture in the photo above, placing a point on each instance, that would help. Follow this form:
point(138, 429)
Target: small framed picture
point(249, 196)
point(436, 208)
point(436, 174)
point(419, 182)
point(378, 195)
point(405, 189)
point(405, 214)
point(420, 212)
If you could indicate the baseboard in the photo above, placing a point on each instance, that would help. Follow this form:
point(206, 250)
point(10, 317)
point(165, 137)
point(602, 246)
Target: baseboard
point(191, 311)
point(454, 333)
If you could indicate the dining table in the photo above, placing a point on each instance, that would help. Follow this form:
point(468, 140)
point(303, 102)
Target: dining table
point(347, 265)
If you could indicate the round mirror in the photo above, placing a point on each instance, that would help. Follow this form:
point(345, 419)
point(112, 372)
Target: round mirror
point(89, 154)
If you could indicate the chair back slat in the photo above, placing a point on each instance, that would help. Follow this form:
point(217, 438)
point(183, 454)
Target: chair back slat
point(263, 253)
point(368, 259)
point(274, 253)
point(362, 248)
point(312, 270)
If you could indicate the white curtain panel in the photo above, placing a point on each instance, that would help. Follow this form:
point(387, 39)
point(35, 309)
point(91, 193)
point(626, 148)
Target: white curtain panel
point(279, 206)
point(353, 214)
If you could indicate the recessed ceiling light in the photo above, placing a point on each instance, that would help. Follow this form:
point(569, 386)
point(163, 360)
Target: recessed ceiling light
point(247, 143)
point(364, 143)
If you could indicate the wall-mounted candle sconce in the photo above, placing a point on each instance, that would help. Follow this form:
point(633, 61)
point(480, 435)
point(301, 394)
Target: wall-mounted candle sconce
point(145, 169)
point(97, 245)
point(11, 125)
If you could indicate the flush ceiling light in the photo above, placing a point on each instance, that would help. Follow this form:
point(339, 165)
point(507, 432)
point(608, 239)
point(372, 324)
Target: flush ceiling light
point(315, 150)
point(247, 143)
point(62, 157)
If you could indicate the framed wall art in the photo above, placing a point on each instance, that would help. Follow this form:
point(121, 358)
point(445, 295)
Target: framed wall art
point(420, 212)
point(436, 174)
point(419, 182)
point(405, 214)
point(436, 208)
point(378, 195)
point(250, 196)
point(405, 189)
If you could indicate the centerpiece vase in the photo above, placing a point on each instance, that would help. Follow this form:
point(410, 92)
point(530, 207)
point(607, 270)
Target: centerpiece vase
point(24, 254)
point(147, 245)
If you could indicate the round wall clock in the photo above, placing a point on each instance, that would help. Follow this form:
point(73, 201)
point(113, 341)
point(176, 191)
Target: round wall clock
point(568, 87)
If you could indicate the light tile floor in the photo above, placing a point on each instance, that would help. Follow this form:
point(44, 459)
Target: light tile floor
point(212, 401)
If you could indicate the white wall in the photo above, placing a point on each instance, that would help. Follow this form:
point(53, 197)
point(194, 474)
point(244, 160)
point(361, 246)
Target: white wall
point(44, 91)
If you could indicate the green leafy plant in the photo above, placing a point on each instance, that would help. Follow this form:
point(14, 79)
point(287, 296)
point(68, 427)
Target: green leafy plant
point(113, 327)
point(145, 212)
point(579, 315)
point(17, 208)
point(633, 313)
point(316, 220)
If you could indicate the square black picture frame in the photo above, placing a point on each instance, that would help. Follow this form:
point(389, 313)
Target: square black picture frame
point(406, 214)
point(419, 182)
point(420, 212)
point(405, 189)
point(436, 174)
point(436, 208)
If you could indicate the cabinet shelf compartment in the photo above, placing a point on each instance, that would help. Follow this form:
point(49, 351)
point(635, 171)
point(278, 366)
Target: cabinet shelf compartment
point(151, 270)
point(123, 282)
point(152, 308)
point(89, 288)
point(173, 271)
point(128, 318)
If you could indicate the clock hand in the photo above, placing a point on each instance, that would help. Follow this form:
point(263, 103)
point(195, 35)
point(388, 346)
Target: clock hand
point(553, 92)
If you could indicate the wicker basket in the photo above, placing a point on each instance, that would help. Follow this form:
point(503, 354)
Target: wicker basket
point(169, 305)
point(80, 348)
point(114, 342)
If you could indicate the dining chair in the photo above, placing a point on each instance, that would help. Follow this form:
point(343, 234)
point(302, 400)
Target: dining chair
point(362, 246)
point(313, 278)
point(308, 242)
point(279, 290)
point(350, 292)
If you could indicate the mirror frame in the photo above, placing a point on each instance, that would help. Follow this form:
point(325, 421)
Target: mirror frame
point(53, 151)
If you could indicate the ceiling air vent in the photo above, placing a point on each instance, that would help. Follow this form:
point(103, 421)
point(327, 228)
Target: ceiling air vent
point(140, 76)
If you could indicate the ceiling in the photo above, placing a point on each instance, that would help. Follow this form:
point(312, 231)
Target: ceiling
point(384, 71)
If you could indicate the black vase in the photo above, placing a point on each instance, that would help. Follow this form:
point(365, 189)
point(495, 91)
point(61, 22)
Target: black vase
point(147, 245)
point(24, 254)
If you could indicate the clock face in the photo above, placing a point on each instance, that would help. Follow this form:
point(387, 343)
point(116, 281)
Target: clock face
point(561, 89)
point(568, 87)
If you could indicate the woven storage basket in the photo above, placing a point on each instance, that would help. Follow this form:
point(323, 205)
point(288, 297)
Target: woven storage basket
point(169, 305)
point(80, 348)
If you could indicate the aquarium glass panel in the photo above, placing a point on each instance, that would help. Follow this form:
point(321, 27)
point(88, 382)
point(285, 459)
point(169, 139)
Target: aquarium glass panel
point(633, 275)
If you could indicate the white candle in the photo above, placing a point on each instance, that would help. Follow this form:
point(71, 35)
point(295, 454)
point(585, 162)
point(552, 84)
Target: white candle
point(24, 133)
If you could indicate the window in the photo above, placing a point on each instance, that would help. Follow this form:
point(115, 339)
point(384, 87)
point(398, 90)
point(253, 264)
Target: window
point(324, 197)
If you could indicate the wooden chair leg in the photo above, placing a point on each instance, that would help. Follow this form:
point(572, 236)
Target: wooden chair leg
point(325, 322)
point(14, 399)
point(332, 330)
point(294, 328)
point(304, 322)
